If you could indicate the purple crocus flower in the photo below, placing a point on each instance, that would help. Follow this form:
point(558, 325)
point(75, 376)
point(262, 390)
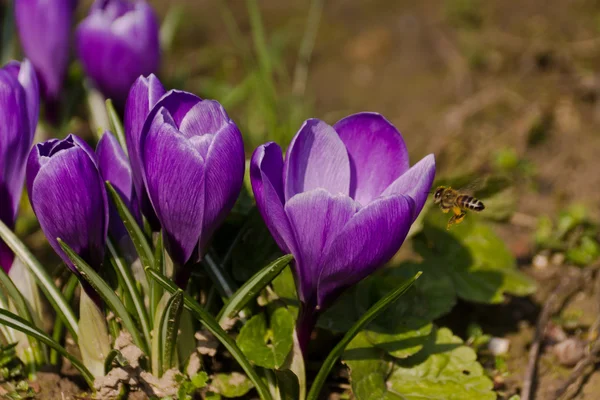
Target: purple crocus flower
point(114, 167)
point(342, 203)
point(19, 109)
point(143, 95)
point(193, 159)
point(117, 42)
point(44, 29)
point(68, 197)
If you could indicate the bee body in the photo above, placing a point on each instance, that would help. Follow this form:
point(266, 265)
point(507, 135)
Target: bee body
point(452, 200)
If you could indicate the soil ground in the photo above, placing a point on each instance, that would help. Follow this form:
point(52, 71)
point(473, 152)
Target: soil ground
point(462, 79)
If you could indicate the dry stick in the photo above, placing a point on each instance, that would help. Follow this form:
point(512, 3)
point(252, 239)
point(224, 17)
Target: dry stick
point(581, 370)
point(565, 289)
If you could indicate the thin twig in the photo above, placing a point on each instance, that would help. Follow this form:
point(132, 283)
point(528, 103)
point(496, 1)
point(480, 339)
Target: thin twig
point(566, 288)
point(582, 369)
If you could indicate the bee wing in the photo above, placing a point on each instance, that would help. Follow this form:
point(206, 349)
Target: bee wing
point(486, 186)
point(473, 186)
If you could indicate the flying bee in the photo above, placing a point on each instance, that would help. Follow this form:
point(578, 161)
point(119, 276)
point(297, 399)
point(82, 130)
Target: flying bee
point(456, 201)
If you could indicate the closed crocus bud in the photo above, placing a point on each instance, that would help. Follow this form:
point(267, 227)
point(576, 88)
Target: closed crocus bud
point(19, 108)
point(342, 203)
point(116, 43)
point(68, 197)
point(143, 95)
point(114, 167)
point(193, 159)
point(44, 29)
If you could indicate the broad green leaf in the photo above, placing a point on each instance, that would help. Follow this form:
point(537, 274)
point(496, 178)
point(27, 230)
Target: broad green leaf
point(285, 288)
point(444, 369)
point(477, 261)
point(164, 336)
point(369, 367)
point(252, 288)
point(115, 124)
point(18, 323)
point(369, 316)
point(107, 294)
point(254, 248)
point(94, 342)
point(231, 385)
point(45, 282)
point(268, 347)
point(213, 327)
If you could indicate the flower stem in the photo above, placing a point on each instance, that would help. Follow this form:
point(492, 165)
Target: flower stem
point(305, 323)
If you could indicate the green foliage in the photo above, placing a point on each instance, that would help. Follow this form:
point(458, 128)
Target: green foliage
point(269, 346)
point(443, 369)
point(190, 386)
point(231, 385)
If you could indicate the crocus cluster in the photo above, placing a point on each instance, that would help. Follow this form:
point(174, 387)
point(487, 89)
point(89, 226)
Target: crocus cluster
point(342, 203)
point(117, 42)
point(19, 108)
point(44, 29)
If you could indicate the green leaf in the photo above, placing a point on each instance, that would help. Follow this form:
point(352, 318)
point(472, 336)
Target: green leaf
point(267, 348)
point(124, 272)
point(285, 287)
point(164, 338)
point(135, 232)
point(337, 351)
point(45, 282)
point(94, 342)
point(18, 323)
point(107, 294)
point(477, 261)
point(231, 385)
point(213, 327)
point(252, 288)
point(445, 369)
point(24, 312)
point(254, 248)
point(115, 124)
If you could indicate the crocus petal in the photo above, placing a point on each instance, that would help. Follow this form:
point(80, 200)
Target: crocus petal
point(317, 217)
point(25, 74)
point(415, 183)
point(377, 151)
point(68, 185)
point(177, 102)
point(114, 167)
point(177, 198)
point(144, 93)
point(316, 158)
point(266, 176)
point(225, 165)
point(367, 241)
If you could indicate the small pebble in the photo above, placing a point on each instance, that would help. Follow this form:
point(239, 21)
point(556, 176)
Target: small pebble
point(569, 352)
point(540, 261)
point(498, 346)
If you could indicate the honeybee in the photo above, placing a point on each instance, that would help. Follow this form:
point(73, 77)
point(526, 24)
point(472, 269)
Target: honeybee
point(455, 200)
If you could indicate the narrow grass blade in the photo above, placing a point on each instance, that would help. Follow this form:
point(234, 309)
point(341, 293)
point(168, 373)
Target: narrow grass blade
point(129, 284)
point(219, 277)
point(156, 291)
point(337, 351)
point(107, 294)
point(252, 288)
point(115, 124)
point(165, 334)
point(52, 293)
point(14, 321)
point(135, 232)
point(59, 325)
point(23, 311)
point(213, 326)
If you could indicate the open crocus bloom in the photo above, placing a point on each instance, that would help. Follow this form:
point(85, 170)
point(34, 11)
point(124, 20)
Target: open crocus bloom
point(342, 203)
